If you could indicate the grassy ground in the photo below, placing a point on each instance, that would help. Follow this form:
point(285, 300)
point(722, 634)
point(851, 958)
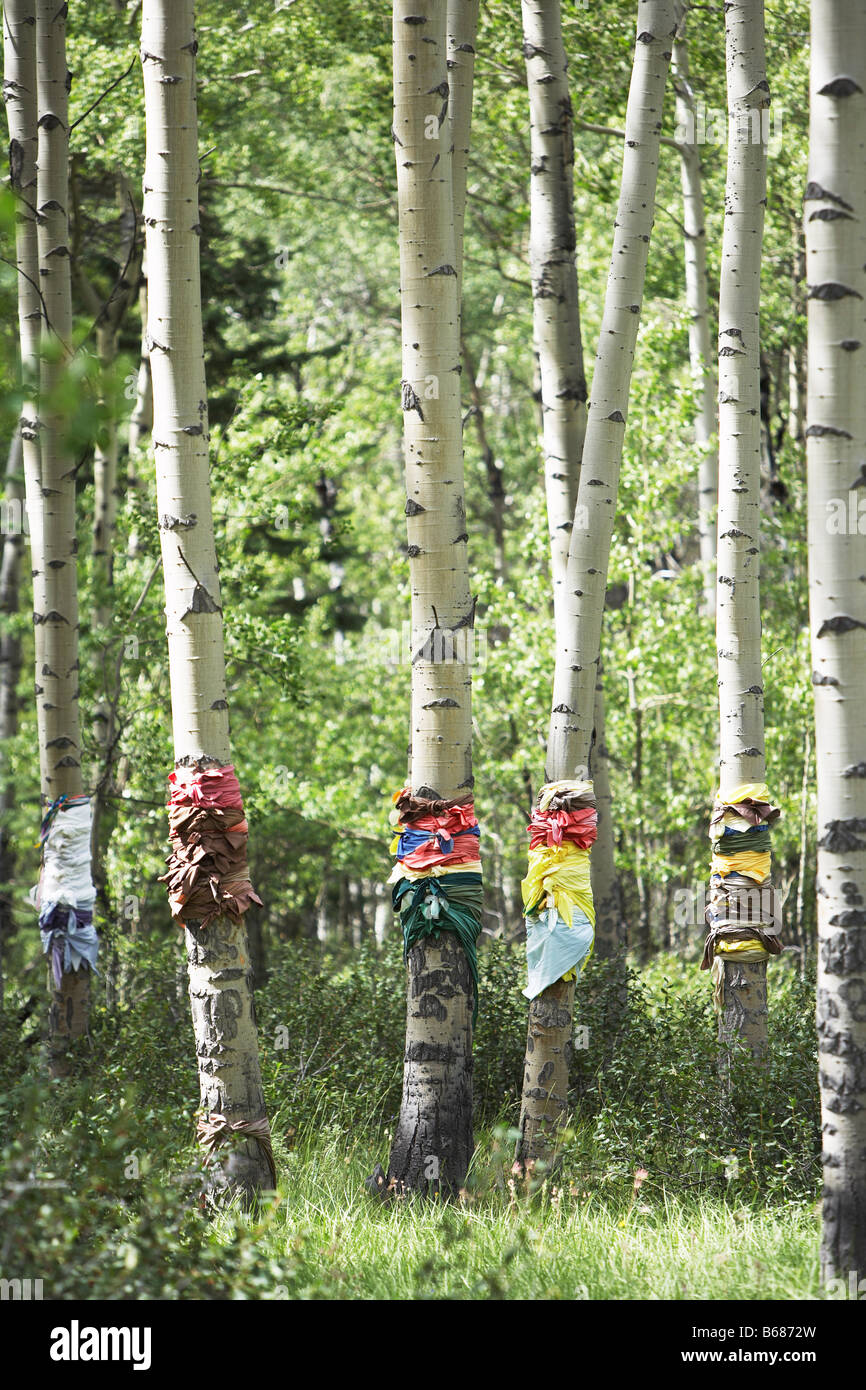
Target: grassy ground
point(659, 1195)
point(328, 1239)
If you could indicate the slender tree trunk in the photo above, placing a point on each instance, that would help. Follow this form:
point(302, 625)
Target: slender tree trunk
point(55, 568)
point(141, 419)
point(433, 1140)
point(492, 467)
point(562, 383)
point(697, 303)
point(738, 611)
point(836, 440)
point(556, 311)
point(10, 671)
point(610, 936)
point(583, 589)
point(796, 354)
point(218, 954)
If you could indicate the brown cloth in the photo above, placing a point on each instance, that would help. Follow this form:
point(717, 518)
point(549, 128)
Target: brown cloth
point(571, 801)
point(771, 944)
point(216, 1129)
point(757, 902)
point(411, 806)
point(755, 812)
point(207, 874)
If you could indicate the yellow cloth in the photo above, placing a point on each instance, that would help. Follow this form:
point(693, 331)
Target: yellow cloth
point(552, 789)
point(746, 791)
point(746, 950)
point(748, 862)
point(435, 871)
point(730, 818)
point(560, 872)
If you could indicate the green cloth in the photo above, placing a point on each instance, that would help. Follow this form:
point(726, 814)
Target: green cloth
point(757, 841)
point(428, 906)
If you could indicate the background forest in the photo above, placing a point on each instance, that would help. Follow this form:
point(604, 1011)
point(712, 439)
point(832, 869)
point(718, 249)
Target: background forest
point(660, 1193)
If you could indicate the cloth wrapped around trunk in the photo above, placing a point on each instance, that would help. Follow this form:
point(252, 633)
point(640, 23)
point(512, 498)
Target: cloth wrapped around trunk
point(437, 883)
point(557, 889)
point(207, 874)
point(64, 896)
point(554, 949)
point(742, 914)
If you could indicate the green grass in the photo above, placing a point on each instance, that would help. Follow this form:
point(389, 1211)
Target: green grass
point(329, 1239)
point(100, 1181)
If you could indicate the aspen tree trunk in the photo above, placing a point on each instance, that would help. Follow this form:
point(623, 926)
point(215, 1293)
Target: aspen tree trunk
point(433, 1140)
point(218, 955)
point(556, 312)
point(55, 579)
point(108, 319)
point(461, 23)
point(19, 94)
point(141, 419)
point(583, 588)
point(738, 605)
point(697, 303)
point(835, 219)
point(609, 924)
point(559, 354)
point(10, 671)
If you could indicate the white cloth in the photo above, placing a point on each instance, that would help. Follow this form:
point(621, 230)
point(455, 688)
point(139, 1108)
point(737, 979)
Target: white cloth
point(553, 947)
point(65, 876)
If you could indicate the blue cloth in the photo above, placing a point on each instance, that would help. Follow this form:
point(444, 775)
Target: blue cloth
point(553, 947)
point(413, 839)
point(68, 938)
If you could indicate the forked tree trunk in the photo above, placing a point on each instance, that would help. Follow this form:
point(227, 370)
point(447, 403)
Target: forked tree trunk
point(836, 447)
point(218, 955)
point(55, 570)
point(697, 304)
point(738, 604)
point(433, 1140)
point(582, 605)
point(559, 353)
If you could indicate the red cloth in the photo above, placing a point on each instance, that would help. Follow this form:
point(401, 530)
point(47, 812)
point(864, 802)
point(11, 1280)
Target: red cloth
point(452, 821)
point(207, 869)
point(212, 786)
point(552, 828)
point(466, 849)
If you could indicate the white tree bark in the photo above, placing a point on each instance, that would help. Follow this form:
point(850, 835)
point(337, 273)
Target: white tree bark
point(461, 23)
point(433, 1138)
point(586, 575)
point(49, 464)
point(835, 222)
point(12, 541)
point(738, 610)
point(218, 955)
point(556, 313)
point(581, 580)
point(697, 303)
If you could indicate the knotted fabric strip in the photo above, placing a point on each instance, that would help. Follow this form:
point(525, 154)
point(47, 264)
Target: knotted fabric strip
point(216, 1128)
point(433, 905)
point(64, 896)
point(437, 883)
point(207, 874)
point(557, 889)
point(743, 913)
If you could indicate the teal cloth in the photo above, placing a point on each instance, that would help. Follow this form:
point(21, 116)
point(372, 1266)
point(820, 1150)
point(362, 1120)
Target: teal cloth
point(553, 947)
point(428, 906)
